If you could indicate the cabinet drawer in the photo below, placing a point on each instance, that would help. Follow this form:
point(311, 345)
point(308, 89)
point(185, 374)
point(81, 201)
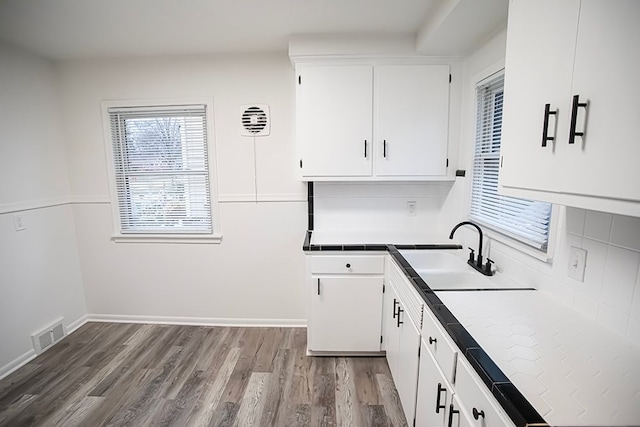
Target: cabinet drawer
point(347, 264)
point(474, 395)
point(439, 344)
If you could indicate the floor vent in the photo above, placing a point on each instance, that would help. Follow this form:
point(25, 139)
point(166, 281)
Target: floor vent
point(48, 336)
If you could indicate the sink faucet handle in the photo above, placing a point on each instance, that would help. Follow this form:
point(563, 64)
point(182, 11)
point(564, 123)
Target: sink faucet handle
point(472, 256)
point(487, 266)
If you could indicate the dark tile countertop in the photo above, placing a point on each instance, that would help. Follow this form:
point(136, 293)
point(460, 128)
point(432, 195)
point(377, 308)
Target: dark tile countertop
point(517, 407)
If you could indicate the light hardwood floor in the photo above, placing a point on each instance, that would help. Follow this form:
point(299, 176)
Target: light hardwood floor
point(160, 375)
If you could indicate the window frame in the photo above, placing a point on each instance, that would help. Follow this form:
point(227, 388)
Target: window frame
point(490, 230)
point(144, 237)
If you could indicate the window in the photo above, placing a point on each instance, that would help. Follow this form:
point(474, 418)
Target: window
point(524, 220)
point(160, 162)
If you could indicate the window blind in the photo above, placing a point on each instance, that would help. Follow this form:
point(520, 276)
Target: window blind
point(524, 220)
point(161, 169)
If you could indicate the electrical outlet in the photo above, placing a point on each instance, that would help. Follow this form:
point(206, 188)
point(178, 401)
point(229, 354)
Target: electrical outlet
point(18, 221)
point(411, 208)
point(577, 263)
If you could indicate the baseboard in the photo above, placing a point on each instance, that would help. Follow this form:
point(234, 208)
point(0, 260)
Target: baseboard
point(198, 321)
point(17, 363)
point(71, 327)
point(27, 357)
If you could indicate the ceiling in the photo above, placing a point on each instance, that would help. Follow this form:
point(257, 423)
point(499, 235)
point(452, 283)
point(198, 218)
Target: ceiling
point(67, 29)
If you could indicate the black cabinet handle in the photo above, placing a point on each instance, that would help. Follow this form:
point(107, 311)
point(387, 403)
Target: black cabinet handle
point(365, 148)
point(438, 405)
point(395, 304)
point(318, 286)
point(400, 310)
point(477, 414)
point(451, 412)
point(432, 340)
point(545, 126)
point(384, 148)
point(574, 118)
point(348, 265)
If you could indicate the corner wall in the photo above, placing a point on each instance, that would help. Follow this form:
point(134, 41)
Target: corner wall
point(40, 279)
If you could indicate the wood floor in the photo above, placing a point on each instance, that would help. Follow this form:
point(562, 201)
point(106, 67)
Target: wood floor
point(160, 375)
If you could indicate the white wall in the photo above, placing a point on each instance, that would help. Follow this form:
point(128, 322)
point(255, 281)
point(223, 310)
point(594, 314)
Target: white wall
point(40, 278)
point(257, 273)
point(610, 293)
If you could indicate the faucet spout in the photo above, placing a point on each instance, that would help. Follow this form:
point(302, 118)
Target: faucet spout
point(479, 234)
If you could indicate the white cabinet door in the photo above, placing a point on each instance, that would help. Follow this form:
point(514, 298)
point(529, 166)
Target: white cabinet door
point(334, 120)
point(458, 415)
point(345, 314)
point(407, 378)
point(391, 330)
point(434, 392)
point(411, 104)
point(539, 63)
point(607, 66)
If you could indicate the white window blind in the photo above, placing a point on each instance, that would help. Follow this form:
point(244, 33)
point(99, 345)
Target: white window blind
point(524, 220)
point(161, 169)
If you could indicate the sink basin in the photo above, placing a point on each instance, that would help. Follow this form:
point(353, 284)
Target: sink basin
point(434, 260)
point(444, 270)
point(455, 280)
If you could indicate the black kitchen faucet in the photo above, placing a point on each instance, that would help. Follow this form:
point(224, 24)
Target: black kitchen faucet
point(473, 262)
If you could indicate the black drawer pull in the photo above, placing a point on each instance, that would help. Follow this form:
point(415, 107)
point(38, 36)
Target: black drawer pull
point(348, 265)
point(438, 405)
point(395, 305)
point(318, 286)
point(477, 414)
point(451, 412)
point(432, 340)
point(365, 148)
point(400, 310)
point(574, 118)
point(384, 148)
point(545, 126)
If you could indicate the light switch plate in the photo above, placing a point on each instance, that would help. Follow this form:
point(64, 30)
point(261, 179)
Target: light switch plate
point(577, 263)
point(18, 222)
point(411, 208)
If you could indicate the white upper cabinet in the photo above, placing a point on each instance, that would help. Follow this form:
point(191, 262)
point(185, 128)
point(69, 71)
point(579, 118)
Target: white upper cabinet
point(604, 162)
point(333, 106)
point(571, 95)
point(411, 112)
point(372, 122)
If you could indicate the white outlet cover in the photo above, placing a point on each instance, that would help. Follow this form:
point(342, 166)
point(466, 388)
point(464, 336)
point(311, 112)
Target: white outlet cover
point(411, 208)
point(577, 263)
point(18, 221)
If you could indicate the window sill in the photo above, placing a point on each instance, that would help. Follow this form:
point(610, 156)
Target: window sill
point(168, 238)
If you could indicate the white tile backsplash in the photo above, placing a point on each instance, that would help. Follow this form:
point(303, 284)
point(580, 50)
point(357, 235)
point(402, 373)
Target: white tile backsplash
point(610, 292)
point(575, 220)
point(620, 278)
point(598, 225)
point(625, 232)
point(595, 267)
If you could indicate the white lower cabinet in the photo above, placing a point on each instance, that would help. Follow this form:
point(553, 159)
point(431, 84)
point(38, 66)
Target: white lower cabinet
point(458, 416)
point(476, 401)
point(436, 385)
point(435, 393)
point(345, 311)
point(409, 359)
